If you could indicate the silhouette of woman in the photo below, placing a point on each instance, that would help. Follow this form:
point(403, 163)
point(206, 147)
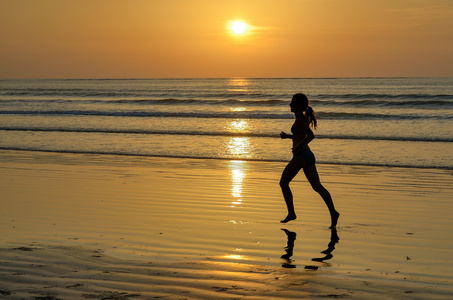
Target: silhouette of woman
point(303, 158)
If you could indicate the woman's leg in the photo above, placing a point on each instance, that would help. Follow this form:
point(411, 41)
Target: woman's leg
point(312, 175)
point(288, 174)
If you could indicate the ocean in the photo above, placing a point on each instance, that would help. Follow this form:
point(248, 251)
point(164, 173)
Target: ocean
point(395, 122)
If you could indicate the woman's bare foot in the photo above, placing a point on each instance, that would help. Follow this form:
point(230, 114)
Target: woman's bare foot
point(288, 218)
point(334, 216)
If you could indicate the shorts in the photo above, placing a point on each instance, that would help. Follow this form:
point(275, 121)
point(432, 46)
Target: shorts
point(308, 156)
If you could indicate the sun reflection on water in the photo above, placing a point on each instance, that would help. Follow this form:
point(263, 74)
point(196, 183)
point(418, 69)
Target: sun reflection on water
point(238, 126)
point(238, 174)
point(239, 108)
point(234, 256)
point(238, 146)
point(238, 85)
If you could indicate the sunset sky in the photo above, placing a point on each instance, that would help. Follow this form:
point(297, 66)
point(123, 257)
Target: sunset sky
point(195, 38)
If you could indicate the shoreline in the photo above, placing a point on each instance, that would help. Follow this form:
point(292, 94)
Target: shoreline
point(245, 159)
point(78, 226)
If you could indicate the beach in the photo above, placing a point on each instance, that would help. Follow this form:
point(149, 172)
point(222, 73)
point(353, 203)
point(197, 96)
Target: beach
point(89, 226)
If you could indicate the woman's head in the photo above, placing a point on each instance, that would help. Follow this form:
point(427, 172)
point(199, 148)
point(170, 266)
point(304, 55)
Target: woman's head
point(299, 103)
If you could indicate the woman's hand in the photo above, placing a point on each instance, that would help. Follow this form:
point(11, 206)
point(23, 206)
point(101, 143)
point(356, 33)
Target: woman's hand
point(283, 135)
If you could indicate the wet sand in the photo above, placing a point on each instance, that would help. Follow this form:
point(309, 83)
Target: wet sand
point(76, 226)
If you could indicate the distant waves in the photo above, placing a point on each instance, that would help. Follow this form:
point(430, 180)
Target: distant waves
point(362, 121)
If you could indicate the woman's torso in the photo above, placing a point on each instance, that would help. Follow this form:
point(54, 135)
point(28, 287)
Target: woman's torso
point(298, 136)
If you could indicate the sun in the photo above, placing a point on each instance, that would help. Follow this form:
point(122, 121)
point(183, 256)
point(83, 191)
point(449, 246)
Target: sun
point(238, 27)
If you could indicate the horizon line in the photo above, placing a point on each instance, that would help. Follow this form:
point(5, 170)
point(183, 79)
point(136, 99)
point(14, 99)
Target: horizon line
point(205, 78)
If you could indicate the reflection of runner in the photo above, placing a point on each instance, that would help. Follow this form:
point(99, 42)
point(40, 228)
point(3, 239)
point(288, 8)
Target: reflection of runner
point(289, 249)
point(330, 247)
point(303, 158)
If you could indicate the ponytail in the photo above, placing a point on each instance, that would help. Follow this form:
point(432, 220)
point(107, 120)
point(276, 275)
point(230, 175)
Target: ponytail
point(311, 117)
point(301, 101)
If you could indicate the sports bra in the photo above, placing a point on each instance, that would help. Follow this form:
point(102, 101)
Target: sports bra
point(294, 131)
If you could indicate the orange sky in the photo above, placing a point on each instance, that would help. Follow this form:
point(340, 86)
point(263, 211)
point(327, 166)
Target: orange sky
point(189, 38)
